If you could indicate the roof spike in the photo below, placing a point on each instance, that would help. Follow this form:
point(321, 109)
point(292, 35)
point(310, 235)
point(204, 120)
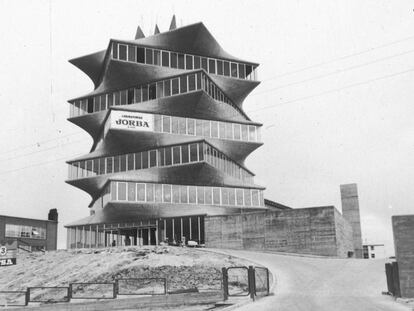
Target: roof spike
point(139, 34)
point(156, 31)
point(173, 24)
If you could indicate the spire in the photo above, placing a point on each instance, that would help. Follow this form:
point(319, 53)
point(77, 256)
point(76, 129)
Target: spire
point(139, 34)
point(173, 24)
point(156, 31)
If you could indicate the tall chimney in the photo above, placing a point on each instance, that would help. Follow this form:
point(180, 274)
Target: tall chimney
point(53, 214)
point(350, 211)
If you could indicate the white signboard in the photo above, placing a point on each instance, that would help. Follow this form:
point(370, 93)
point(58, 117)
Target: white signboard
point(135, 121)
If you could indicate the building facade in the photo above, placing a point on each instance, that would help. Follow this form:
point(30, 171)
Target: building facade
point(373, 251)
point(170, 138)
point(30, 234)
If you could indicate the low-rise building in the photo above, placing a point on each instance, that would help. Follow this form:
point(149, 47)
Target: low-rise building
point(30, 234)
point(373, 251)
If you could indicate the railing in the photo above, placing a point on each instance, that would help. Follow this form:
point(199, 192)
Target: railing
point(245, 281)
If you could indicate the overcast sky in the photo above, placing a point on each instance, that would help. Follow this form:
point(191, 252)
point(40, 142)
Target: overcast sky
point(336, 97)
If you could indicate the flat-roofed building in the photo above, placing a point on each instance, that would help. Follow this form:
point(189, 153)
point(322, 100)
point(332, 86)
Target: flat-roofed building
point(30, 234)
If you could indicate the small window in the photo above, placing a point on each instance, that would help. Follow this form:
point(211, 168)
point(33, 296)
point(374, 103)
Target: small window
point(173, 60)
point(219, 67)
point(140, 192)
point(141, 55)
point(191, 82)
point(122, 52)
point(184, 154)
point(247, 197)
point(152, 91)
point(225, 196)
point(137, 95)
point(193, 153)
point(200, 195)
point(138, 164)
point(190, 126)
point(131, 192)
point(131, 53)
point(242, 72)
point(372, 255)
point(212, 66)
point(197, 63)
point(115, 50)
point(150, 192)
point(145, 159)
point(181, 61)
point(183, 84)
point(145, 93)
point(181, 126)
point(226, 69)
point(148, 56)
point(168, 156)
point(207, 195)
point(122, 187)
point(165, 59)
point(157, 57)
point(216, 196)
point(234, 70)
point(166, 193)
point(158, 193)
point(176, 194)
point(184, 194)
point(188, 62)
point(192, 192)
point(214, 129)
point(239, 196)
point(167, 88)
point(175, 88)
point(204, 63)
point(166, 124)
point(152, 158)
point(160, 89)
point(174, 125)
point(232, 197)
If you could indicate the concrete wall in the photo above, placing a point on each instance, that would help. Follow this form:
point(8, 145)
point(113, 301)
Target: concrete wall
point(344, 236)
point(403, 229)
point(306, 231)
point(350, 211)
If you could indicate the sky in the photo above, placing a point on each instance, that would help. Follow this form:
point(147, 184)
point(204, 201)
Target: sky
point(335, 97)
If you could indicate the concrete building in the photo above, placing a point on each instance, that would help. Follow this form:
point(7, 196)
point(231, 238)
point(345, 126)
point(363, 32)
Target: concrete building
point(350, 211)
point(170, 139)
point(30, 234)
point(373, 251)
point(403, 230)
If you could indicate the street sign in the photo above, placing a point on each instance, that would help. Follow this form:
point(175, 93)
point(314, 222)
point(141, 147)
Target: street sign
point(7, 262)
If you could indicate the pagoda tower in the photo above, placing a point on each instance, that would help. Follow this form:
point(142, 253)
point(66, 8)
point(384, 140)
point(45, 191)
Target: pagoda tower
point(170, 139)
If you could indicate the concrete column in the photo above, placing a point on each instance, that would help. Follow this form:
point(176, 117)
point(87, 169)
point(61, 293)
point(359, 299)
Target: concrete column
point(165, 229)
point(350, 211)
point(189, 221)
point(199, 230)
point(157, 230)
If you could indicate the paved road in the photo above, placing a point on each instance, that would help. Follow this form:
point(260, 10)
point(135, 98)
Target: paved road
point(321, 284)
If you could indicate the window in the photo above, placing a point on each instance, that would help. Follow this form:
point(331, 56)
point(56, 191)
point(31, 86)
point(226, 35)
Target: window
point(232, 197)
point(226, 69)
point(197, 63)
point(174, 125)
point(145, 93)
point(207, 195)
point(115, 50)
point(176, 194)
point(247, 197)
point(158, 193)
point(174, 87)
point(191, 82)
point(190, 126)
point(200, 195)
point(157, 57)
point(140, 55)
point(184, 154)
point(233, 67)
point(152, 91)
point(138, 163)
point(122, 187)
point(131, 191)
point(165, 59)
point(140, 192)
point(219, 67)
point(176, 155)
point(137, 95)
point(239, 196)
point(168, 156)
point(173, 60)
point(212, 66)
point(150, 192)
point(204, 63)
point(152, 158)
point(131, 53)
point(181, 61)
point(372, 247)
point(144, 159)
point(109, 165)
point(193, 152)
point(183, 84)
point(242, 73)
point(214, 129)
point(183, 194)
point(148, 56)
point(166, 124)
point(216, 196)
point(160, 89)
point(224, 196)
point(20, 231)
point(188, 62)
point(122, 52)
point(166, 193)
point(252, 133)
point(167, 88)
point(372, 255)
point(192, 194)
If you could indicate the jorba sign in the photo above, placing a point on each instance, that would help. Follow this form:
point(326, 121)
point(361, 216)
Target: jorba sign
point(135, 121)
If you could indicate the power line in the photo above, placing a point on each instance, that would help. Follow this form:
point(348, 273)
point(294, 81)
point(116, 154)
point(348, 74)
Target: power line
point(335, 72)
point(40, 142)
point(35, 165)
point(335, 90)
point(42, 150)
point(340, 58)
